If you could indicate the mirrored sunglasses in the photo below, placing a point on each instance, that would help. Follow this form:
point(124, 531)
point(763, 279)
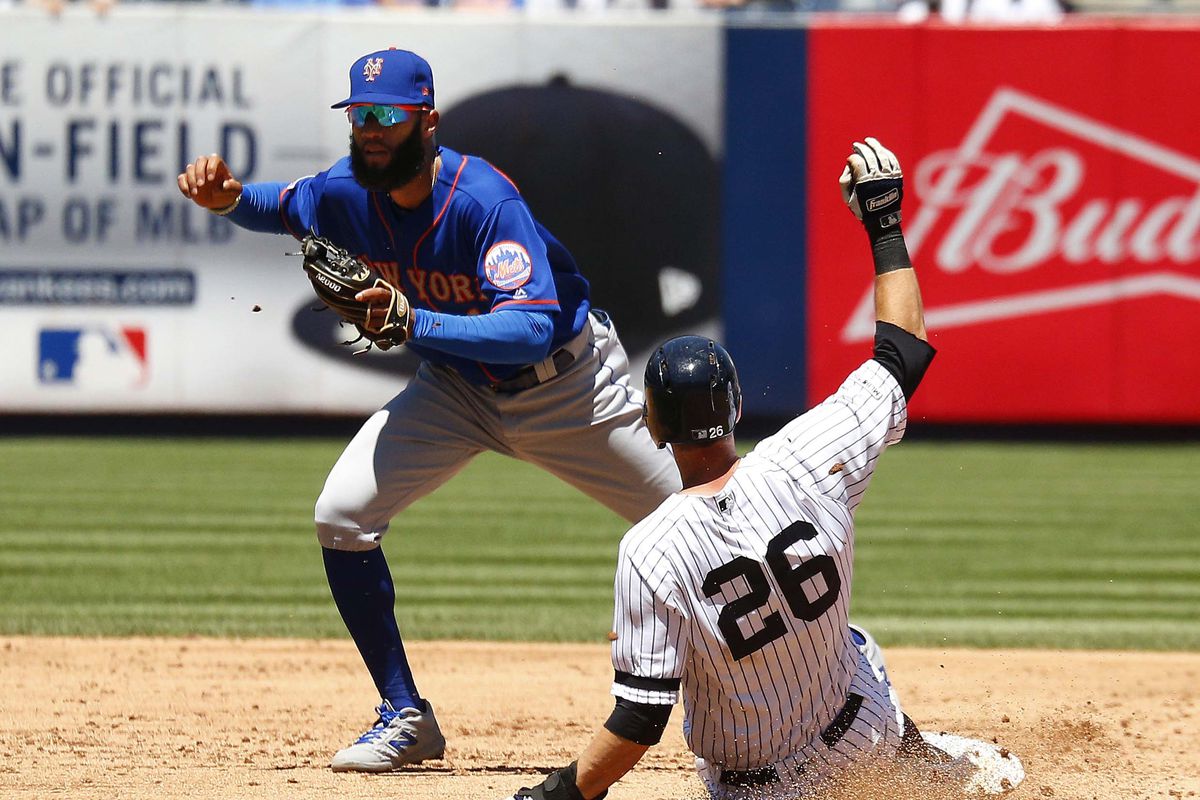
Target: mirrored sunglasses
point(387, 116)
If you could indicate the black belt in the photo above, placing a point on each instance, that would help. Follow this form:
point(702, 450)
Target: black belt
point(831, 735)
point(555, 364)
point(750, 777)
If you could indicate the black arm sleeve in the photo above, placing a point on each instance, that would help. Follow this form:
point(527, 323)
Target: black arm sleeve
point(642, 723)
point(903, 355)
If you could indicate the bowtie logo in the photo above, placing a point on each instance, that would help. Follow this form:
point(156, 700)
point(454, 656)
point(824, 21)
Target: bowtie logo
point(1000, 209)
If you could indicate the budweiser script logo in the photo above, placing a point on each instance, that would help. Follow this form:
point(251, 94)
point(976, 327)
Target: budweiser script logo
point(1014, 212)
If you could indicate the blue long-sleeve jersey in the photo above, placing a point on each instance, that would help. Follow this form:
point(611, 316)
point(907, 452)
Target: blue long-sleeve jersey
point(492, 288)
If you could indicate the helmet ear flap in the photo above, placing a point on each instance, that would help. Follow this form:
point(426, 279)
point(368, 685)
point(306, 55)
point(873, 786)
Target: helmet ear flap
point(652, 423)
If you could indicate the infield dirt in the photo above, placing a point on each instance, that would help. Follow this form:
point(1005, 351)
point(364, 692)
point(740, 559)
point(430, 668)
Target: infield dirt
point(162, 719)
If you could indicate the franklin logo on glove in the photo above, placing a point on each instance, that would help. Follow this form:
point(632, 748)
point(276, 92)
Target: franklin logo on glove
point(876, 203)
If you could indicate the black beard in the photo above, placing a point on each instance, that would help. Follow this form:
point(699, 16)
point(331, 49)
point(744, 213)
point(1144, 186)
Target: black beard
point(405, 164)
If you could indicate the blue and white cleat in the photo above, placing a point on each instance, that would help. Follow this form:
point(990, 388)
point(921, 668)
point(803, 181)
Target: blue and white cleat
point(398, 739)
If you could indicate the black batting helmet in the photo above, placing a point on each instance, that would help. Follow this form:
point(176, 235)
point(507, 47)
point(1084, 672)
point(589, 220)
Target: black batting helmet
point(692, 391)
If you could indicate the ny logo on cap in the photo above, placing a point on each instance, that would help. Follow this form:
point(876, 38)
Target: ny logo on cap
point(372, 68)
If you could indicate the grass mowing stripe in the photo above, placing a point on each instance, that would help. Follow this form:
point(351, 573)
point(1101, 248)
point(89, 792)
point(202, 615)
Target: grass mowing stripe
point(1100, 569)
point(1051, 592)
point(1040, 545)
point(1051, 633)
point(1176, 548)
point(572, 554)
point(164, 536)
point(440, 595)
point(1058, 589)
point(486, 622)
point(1038, 609)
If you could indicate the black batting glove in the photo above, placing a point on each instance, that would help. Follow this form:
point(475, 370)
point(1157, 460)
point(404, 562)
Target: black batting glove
point(559, 785)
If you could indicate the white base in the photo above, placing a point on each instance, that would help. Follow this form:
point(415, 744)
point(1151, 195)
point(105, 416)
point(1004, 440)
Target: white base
point(997, 771)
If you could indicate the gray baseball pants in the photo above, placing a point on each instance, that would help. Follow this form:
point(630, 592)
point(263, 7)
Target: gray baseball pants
point(584, 426)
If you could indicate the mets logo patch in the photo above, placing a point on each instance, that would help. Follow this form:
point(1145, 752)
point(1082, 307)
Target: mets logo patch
point(507, 265)
point(373, 68)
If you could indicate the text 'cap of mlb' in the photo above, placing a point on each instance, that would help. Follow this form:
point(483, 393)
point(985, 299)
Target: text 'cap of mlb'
point(390, 77)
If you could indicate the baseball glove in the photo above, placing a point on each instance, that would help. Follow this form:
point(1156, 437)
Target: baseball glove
point(337, 277)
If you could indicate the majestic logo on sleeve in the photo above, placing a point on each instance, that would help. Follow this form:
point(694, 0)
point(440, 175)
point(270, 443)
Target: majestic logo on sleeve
point(372, 69)
point(1003, 210)
point(507, 266)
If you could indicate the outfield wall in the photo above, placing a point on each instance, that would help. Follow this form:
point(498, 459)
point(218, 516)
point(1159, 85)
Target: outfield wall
point(1051, 199)
point(117, 294)
point(1052, 206)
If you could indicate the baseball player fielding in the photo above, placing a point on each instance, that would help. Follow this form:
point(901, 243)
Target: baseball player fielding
point(416, 245)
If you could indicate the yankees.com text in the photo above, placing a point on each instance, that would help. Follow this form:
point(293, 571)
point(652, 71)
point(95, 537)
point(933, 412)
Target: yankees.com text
point(76, 287)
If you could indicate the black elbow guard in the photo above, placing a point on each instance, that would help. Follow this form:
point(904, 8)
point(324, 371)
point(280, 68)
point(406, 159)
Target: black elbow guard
point(903, 355)
point(641, 723)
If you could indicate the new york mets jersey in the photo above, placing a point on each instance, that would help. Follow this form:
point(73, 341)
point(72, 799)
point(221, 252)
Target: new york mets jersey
point(471, 247)
point(739, 600)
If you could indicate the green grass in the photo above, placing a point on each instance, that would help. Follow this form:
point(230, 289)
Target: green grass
point(1046, 545)
point(958, 544)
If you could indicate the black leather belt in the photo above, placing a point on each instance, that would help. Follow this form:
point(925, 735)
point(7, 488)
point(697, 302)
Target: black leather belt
point(555, 364)
point(750, 777)
point(831, 735)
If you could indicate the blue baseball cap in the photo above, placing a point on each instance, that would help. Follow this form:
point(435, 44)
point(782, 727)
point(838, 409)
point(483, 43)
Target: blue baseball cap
point(392, 78)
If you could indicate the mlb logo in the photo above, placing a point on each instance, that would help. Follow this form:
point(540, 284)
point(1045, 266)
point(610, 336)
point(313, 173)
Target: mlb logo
point(93, 358)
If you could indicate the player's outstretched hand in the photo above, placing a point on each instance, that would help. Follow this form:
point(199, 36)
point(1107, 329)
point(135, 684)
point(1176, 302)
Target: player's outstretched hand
point(208, 183)
point(872, 186)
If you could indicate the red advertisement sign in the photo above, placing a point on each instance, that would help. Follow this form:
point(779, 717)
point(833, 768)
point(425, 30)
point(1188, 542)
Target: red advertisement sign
point(1052, 207)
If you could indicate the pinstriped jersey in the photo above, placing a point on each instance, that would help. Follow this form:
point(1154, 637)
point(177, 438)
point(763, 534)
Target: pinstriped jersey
point(739, 601)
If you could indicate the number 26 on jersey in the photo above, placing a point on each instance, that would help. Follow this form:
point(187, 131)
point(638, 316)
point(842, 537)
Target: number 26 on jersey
point(791, 580)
